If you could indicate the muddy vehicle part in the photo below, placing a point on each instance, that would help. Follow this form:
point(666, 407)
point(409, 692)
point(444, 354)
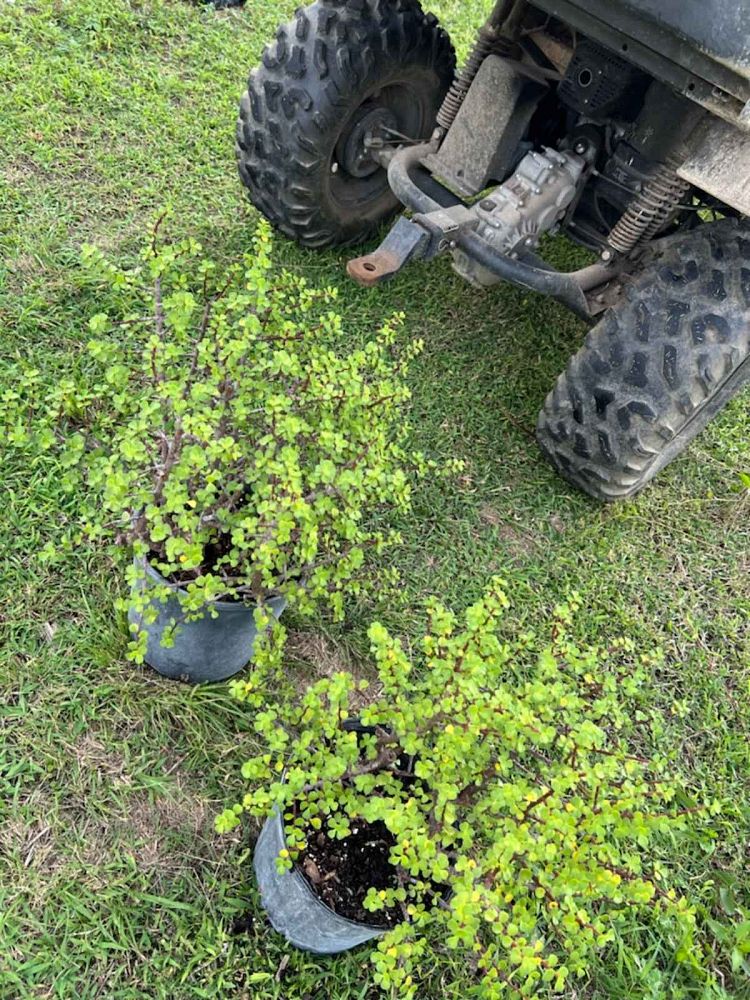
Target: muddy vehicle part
point(657, 367)
point(623, 124)
point(338, 76)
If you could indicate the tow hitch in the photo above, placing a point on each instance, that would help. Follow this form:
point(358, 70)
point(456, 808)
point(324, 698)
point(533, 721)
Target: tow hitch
point(493, 239)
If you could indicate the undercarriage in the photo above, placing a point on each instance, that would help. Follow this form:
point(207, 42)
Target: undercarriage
point(625, 126)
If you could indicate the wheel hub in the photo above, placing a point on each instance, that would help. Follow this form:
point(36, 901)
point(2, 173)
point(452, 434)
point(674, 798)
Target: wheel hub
point(355, 156)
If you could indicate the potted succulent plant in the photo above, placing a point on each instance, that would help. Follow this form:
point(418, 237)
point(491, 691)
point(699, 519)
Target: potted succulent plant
point(224, 438)
point(490, 800)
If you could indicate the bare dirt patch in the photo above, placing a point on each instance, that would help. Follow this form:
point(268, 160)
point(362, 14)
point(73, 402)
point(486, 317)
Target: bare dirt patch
point(93, 757)
point(150, 823)
point(316, 656)
point(518, 543)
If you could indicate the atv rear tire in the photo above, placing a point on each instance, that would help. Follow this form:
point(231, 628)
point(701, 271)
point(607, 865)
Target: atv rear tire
point(657, 367)
point(341, 68)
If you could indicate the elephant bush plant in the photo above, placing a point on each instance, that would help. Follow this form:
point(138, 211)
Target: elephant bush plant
point(223, 436)
point(520, 815)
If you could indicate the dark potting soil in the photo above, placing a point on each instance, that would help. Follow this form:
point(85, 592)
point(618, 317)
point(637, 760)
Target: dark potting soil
point(213, 553)
point(340, 872)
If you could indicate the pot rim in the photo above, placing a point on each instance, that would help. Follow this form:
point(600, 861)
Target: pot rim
point(225, 605)
point(276, 817)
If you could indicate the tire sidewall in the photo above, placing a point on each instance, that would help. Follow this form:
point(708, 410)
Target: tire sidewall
point(422, 84)
point(309, 87)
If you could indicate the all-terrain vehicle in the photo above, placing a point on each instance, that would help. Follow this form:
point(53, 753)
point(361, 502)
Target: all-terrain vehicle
point(623, 123)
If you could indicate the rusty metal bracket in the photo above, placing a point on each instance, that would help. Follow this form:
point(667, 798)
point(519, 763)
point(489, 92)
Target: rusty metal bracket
point(405, 242)
point(422, 237)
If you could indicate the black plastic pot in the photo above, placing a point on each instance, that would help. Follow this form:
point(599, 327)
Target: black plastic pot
point(210, 649)
point(293, 908)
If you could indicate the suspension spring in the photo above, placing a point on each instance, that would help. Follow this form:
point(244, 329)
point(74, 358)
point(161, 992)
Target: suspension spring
point(488, 40)
point(649, 210)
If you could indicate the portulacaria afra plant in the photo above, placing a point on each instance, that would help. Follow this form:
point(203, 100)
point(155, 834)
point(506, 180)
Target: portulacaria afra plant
point(520, 815)
point(229, 436)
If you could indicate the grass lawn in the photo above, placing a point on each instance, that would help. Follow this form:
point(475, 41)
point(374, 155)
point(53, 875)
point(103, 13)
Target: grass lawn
point(112, 882)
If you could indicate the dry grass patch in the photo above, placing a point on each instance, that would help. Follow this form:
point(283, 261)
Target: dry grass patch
point(314, 656)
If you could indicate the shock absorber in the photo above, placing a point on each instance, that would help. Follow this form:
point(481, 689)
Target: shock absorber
point(488, 40)
point(662, 129)
point(650, 209)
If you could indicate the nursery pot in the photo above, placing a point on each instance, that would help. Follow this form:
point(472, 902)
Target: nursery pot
point(293, 908)
point(209, 649)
